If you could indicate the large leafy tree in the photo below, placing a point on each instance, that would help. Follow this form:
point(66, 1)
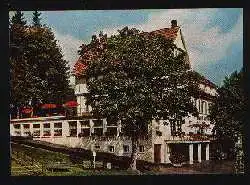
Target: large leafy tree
point(136, 77)
point(38, 73)
point(229, 109)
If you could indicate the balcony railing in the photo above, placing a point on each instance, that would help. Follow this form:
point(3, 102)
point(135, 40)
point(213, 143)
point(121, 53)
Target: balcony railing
point(193, 137)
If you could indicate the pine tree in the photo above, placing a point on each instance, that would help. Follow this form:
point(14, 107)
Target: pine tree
point(229, 109)
point(50, 82)
point(228, 113)
point(18, 65)
point(36, 19)
point(38, 71)
point(18, 19)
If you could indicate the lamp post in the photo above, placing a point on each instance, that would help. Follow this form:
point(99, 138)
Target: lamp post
point(94, 155)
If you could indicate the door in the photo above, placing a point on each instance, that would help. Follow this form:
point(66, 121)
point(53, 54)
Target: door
point(157, 153)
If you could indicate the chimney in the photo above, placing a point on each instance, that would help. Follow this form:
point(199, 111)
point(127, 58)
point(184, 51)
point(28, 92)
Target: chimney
point(173, 23)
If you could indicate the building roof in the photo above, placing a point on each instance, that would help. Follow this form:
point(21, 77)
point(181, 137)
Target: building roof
point(208, 83)
point(204, 80)
point(168, 33)
point(79, 67)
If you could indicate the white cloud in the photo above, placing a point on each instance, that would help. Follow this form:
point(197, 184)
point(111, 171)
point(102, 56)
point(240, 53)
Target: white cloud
point(69, 46)
point(204, 45)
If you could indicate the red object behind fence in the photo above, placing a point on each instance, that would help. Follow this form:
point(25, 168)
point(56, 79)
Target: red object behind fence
point(27, 110)
point(71, 104)
point(48, 106)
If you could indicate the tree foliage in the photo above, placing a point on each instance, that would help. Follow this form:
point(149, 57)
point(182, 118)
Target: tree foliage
point(136, 77)
point(38, 71)
point(18, 18)
point(229, 110)
point(36, 19)
point(18, 65)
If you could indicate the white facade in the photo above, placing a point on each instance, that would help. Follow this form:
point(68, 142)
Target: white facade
point(76, 133)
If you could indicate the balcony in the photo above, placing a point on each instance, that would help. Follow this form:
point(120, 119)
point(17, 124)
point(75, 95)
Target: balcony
point(192, 137)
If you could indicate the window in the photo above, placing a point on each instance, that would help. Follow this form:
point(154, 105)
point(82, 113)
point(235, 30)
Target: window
point(58, 132)
point(46, 125)
point(58, 129)
point(158, 133)
point(46, 130)
point(98, 123)
point(58, 125)
point(26, 126)
point(17, 133)
point(46, 133)
point(200, 106)
point(73, 128)
point(208, 108)
point(27, 133)
point(97, 147)
point(141, 148)
point(73, 132)
point(87, 108)
point(84, 123)
point(72, 124)
point(36, 133)
point(111, 149)
point(17, 126)
point(125, 148)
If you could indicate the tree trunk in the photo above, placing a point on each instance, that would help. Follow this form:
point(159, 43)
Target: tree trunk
point(134, 152)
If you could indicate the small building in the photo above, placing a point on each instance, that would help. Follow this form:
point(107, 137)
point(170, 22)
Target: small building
point(100, 135)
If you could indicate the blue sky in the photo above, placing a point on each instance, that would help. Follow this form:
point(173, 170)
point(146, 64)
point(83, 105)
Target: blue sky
point(214, 37)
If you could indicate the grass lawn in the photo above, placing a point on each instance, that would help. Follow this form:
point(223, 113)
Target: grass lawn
point(22, 156)
point(80, 172)
point(35, 161)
